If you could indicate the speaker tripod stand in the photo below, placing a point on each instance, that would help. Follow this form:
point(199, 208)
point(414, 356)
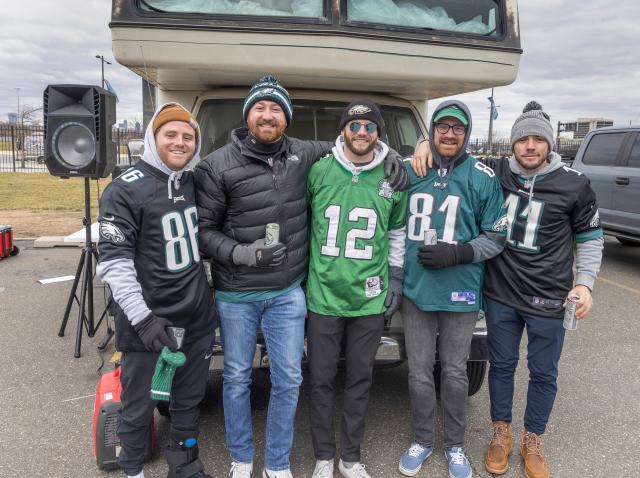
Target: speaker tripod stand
point(84, 276)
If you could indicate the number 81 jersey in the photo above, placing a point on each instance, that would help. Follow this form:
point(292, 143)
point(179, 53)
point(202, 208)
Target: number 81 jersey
point(138, 221)
point(349, 251)
point(459, 206)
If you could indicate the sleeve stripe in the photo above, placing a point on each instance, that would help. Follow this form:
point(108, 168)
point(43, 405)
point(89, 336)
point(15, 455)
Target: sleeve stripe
point(589, 235)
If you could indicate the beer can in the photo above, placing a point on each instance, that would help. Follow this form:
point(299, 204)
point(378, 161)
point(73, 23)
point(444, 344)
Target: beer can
point(430, 237)
point(570, 322)
point(178, 334)
point(273, 234)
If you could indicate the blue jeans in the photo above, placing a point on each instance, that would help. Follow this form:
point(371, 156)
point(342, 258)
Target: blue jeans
point(282, 321)
point(545, 340)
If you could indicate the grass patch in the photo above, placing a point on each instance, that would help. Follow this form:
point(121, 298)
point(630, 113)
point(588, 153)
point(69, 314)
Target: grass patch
point(43, 192)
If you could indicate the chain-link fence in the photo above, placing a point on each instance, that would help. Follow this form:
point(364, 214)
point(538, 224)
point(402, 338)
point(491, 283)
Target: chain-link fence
point(22, 148)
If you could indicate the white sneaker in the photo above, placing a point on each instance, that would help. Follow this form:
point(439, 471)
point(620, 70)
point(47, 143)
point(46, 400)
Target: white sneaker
point(277, 474)
point(356, 471)
point(323, 469)
point(241, 470)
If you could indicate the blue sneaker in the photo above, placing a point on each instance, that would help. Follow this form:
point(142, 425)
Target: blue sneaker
point(412, 459)
point(459, 466)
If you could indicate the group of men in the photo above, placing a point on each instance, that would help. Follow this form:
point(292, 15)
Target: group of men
point(353, 222)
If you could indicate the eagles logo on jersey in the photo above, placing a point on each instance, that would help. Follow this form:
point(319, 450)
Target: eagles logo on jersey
point(111, 232)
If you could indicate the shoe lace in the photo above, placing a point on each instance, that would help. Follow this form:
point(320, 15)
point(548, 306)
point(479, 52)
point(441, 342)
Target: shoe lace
point(415, 450)
point(457, 457)
point(240, 470)
point(500, 434)
point(533, 444)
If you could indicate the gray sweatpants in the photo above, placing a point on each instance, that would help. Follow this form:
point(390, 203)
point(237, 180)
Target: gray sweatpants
point(455, 332)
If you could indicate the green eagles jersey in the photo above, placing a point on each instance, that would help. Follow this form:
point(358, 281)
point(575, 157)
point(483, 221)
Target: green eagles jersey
point(459, 206)
point(350, 219)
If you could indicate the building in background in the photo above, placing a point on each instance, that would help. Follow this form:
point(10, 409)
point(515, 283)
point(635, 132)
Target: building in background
point(581, 127)
point(13, 118)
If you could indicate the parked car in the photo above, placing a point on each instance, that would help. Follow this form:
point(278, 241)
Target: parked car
point(34, 147)
point(610, 158)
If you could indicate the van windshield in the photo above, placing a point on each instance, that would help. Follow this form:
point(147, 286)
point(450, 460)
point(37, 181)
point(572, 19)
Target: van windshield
point(312, 119)
point(281, 8)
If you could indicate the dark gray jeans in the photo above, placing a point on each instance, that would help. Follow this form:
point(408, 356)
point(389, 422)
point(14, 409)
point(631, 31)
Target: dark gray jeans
point(420, 331)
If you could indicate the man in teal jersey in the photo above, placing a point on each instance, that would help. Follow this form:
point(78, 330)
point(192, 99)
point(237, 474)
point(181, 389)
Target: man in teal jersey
point(462, 201)
point(355, 279)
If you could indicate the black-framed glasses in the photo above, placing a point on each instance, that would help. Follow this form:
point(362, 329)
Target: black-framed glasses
point(443, 128)
point(369, 127)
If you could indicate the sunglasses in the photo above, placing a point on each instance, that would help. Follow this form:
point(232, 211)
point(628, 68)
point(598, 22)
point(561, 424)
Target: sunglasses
point(443, 128)
point(369, 127)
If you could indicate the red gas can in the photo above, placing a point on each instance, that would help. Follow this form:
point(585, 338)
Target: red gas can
point(7, 247)
point(106, 445)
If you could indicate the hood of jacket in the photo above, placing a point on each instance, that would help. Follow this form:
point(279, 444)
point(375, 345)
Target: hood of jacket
point(151, 157)
point(380, 152)
point(450, 162)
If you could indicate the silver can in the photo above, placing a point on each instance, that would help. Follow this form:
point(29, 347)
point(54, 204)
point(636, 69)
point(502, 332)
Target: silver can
point(430, 237)
point(273, 234)
point(570, 322)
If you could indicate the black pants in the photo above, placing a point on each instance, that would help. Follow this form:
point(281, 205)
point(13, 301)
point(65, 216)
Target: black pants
point(189, 385)
point(325, 335)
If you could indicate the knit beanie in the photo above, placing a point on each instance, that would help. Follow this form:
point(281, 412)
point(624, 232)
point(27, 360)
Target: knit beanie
point(532, 122)
point(268, 88)
point(362, 110)
point(166, 367)
point(173, 113)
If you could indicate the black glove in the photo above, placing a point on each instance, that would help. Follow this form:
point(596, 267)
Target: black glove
point(394, 170)
point(443, 254)
point(257, 254)
point(151, 331)
point(394, 291)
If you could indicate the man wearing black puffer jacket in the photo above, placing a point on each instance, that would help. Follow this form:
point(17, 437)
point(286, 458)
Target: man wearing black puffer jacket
point(258, 179)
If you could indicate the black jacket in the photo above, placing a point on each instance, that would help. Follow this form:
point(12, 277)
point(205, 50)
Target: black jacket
point(238, 193)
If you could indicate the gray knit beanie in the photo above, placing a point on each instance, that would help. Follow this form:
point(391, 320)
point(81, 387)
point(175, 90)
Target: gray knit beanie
point(532, 121)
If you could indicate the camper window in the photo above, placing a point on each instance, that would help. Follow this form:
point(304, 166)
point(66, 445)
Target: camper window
point(463, 16)
point(282, 8)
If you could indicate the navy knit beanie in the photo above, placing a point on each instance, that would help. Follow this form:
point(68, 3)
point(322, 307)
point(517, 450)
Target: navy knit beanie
point(268, 88)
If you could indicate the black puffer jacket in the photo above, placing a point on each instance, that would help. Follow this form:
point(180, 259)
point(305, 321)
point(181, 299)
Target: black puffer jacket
point(238, 193)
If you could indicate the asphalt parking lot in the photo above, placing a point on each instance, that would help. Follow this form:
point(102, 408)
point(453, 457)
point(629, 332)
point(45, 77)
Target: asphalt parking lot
point(46, 395)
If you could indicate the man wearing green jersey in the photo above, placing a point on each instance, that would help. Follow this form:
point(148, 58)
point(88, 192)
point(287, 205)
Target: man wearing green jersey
point(460, 201)
point(355, 279)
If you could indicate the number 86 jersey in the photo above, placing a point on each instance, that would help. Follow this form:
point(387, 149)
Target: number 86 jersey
point(459, 205)
point(139, 222)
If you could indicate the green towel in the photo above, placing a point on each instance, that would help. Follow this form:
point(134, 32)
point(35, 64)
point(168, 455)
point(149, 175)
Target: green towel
point(166, 367)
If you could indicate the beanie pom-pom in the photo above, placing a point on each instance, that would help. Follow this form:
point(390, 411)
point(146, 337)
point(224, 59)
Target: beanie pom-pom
point(268, 79)
point(535, 106)
point(532, 105)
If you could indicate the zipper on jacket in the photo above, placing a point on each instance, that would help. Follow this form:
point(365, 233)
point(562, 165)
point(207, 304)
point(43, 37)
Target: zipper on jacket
point(273, 173)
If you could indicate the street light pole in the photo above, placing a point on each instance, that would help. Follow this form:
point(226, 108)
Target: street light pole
point(102, 62)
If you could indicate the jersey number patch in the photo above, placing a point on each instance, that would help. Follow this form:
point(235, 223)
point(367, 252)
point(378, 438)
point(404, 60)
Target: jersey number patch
point(180, 231)
point(421, 207)
point(533, 215)
point(330, 248)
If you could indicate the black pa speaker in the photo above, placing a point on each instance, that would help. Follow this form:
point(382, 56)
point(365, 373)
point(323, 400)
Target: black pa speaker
point(77, 130)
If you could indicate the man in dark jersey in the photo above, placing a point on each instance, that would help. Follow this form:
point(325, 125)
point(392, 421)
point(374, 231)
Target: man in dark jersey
point(149, 258)
point(551, 211)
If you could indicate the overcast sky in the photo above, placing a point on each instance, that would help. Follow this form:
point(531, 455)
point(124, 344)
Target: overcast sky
point(578, 59)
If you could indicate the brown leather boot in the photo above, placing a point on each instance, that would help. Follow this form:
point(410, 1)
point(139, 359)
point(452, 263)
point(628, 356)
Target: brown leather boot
point(535, 466)
point(496, 460)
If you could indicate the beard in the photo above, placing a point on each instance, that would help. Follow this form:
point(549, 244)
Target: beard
point(267, 136)
point(356, 148)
